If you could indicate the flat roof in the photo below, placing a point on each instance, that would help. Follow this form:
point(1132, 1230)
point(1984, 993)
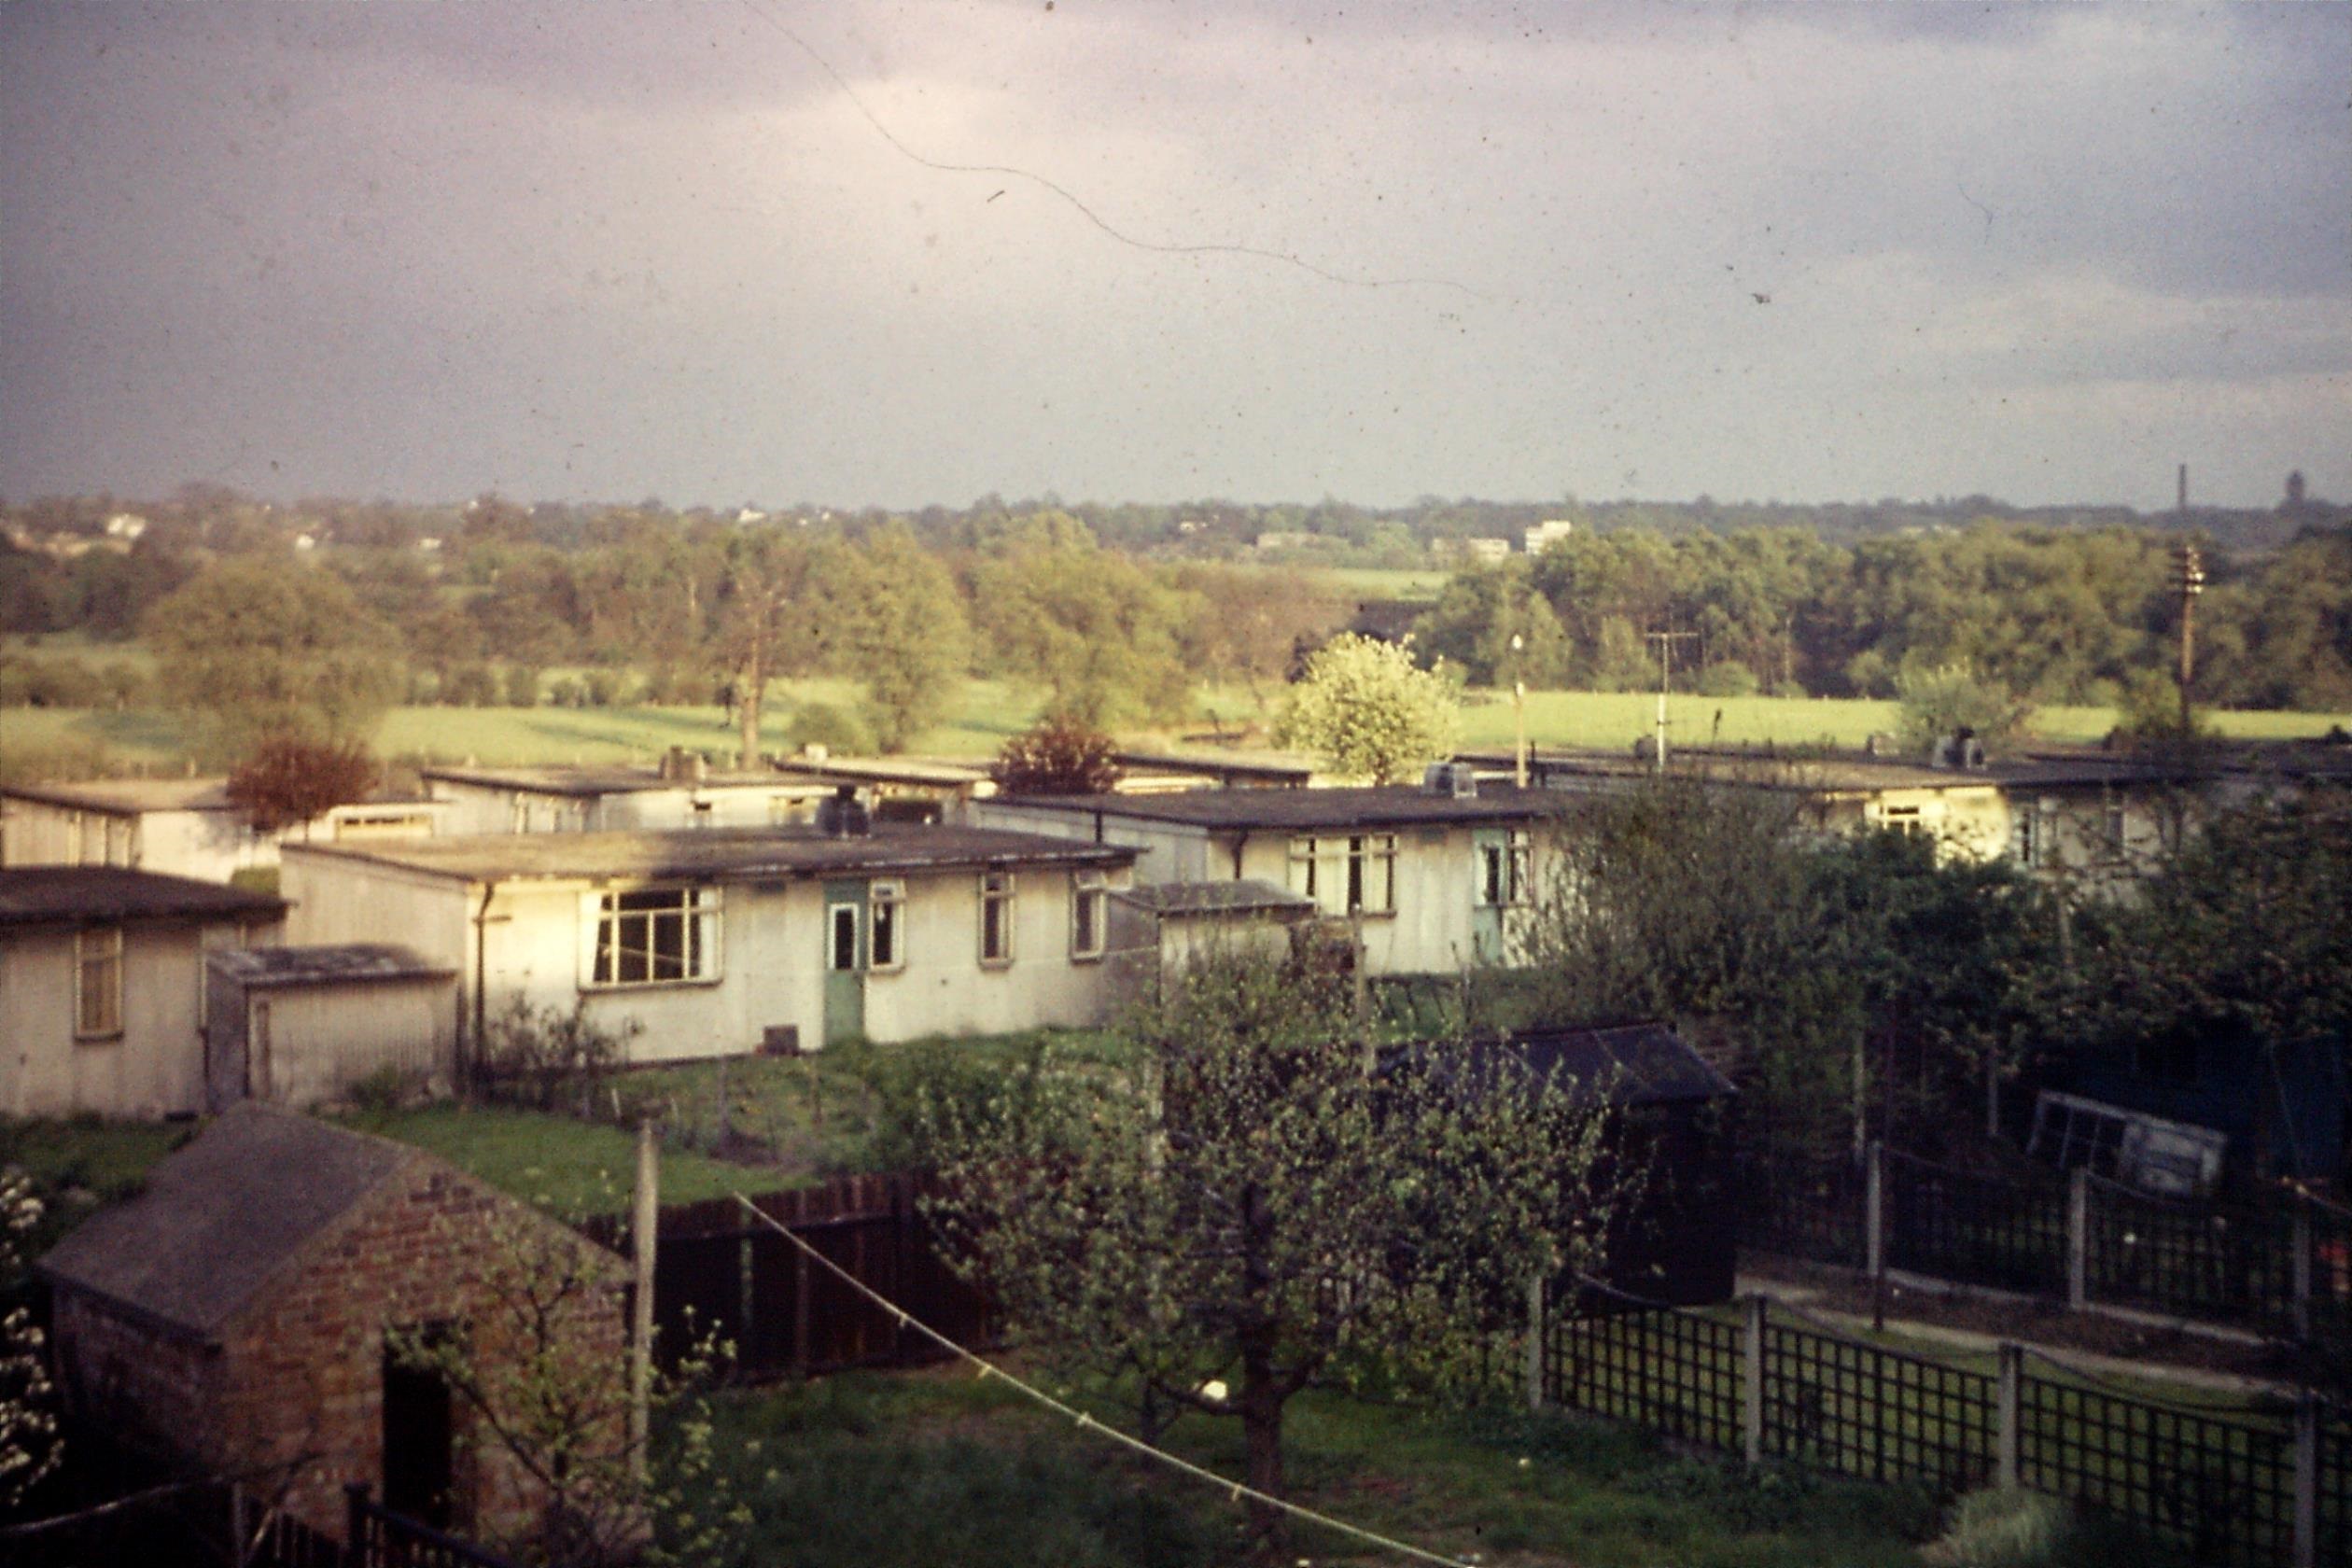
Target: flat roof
point(1264, 767)
point(1396, 805)
point(262, 968)
point(1835, 770)
point(611, 779)
point(129, 797)
point(733, 854)
point(921, 771)
point(55, 895)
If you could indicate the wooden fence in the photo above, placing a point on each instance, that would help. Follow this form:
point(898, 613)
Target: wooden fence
point(2265, 1485)
point(719, 1271)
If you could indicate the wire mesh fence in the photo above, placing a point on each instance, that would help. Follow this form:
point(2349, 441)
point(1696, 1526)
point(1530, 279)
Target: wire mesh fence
point(2255, 1482)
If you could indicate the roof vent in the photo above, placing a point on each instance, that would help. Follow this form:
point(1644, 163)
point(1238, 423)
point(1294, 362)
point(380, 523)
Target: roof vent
point(1458, 779)
point(842, 817)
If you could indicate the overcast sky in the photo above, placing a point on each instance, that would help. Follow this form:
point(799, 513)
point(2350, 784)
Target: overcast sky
point(607, 250)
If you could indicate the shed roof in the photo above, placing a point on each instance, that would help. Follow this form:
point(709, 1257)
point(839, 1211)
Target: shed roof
point(1644, 1063)
point(57, 895)
point(1302, 811)
point(263, 967)
point(723, 854)
point(1215, 898)
point(1819, 771)
point(221, 1217)
point(131, 797)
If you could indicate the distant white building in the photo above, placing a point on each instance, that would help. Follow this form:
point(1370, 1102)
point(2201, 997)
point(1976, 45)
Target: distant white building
point(1484, 551)
point(180, 827)
point(1543, 534)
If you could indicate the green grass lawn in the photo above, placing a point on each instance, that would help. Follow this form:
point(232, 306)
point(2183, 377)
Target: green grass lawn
point(923, 1468)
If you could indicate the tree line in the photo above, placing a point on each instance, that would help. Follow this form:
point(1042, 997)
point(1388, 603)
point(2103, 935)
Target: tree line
point(1116, 620)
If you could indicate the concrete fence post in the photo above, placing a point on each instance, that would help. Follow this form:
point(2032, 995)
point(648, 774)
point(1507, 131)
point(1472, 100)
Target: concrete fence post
point(2301, 1268)
point(2307, 1410)
point(1874, 1210)
point(1535, 1330)
point(1752, 1379)
point(2079, 1241)
point(2010, 1435)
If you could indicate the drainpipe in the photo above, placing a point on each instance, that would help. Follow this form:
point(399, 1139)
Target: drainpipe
point(481, 1000)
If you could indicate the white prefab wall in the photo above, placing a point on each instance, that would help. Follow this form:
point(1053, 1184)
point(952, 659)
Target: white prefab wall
point(153, 1067)
point(537, 945)
point(324, 1039)
point(209, 846)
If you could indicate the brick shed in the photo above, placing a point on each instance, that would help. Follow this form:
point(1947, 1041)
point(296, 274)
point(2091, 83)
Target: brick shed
point(233, 1315)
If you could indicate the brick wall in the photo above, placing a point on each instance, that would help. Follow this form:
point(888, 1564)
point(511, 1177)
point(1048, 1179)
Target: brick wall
point(297, 1380)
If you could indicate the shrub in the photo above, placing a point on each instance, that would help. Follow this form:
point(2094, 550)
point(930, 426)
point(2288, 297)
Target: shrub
point(521, 686)
point(606, 687)
point(547, 1058)
point(1727, 677)
point(1060, 755)
point(835, 728)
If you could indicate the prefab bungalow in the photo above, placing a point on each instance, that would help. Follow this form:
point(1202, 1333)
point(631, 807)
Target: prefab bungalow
point(1436, 880)
point(179, 827)
point(681, 792)
point(712, 942)
point(101, 985)
point(2099, 819)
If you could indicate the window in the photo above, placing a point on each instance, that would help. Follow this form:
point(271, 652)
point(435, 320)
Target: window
point(98, 984)
point(1347, 876)
point(841, 942)
point(2118, 828)
point(1900, 819)
point(889, 900)
point(996, 918)
point(1503, 870)
point(1089, 907)
point(651, 936)
point(2029, 842)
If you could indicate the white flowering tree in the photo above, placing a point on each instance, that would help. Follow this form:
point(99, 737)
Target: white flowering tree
point(1367, 709)
point(1258, 1210)
point(28, 1417)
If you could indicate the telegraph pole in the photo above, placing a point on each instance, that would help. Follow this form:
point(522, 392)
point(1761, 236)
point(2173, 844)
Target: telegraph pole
point(1665, 641)
point(2191, 583)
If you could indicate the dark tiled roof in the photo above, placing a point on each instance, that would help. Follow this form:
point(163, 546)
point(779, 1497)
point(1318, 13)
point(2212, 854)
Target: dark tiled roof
point(53, 895)
point(723, 854)
point(1366, 806)
point(1214, 898)
point(1642, 1063)
point(222, 1216)
point(260, 968)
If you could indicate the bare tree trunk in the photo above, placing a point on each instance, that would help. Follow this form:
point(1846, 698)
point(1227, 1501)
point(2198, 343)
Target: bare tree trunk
point(1261, 1435)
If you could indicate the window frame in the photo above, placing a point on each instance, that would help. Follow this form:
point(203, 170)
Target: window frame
point(1354, 858)
point(109, 963)
point(699, 912)
point(1089, 889)
point(1505, 871)
point(999, 889)
point(889, 894)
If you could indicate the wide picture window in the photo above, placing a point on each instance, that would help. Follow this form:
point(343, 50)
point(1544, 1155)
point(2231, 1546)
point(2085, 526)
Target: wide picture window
point(651, 936)
point(1350, 874)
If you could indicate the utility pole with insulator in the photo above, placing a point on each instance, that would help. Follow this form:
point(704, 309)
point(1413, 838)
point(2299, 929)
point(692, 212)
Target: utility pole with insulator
point(2191, 583)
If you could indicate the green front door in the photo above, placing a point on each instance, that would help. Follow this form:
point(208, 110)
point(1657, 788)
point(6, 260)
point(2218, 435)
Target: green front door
point(845, 960)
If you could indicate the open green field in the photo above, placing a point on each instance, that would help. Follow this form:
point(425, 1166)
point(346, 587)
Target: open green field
point(86, 742)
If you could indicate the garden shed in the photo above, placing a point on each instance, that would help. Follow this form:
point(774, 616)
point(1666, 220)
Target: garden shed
point(234, 1316)
point(1676, 1241)
point(303, 1026)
